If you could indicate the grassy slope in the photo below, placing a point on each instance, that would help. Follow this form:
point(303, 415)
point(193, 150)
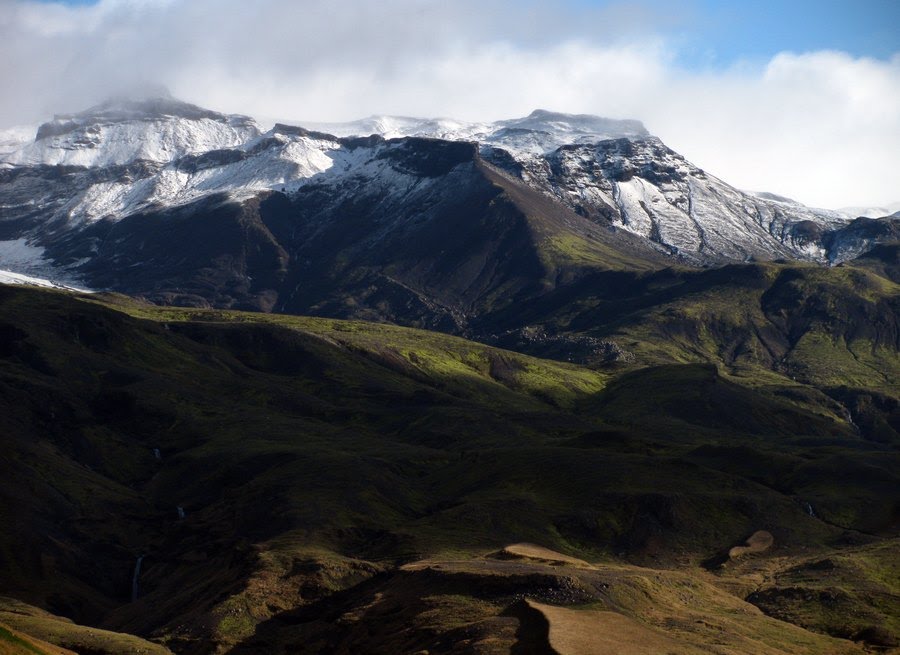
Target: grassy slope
point(486, 605)
point(825, 327)
point(565, 242)
point(323, 427)
point(13, 642)
point(310, 454)
point(849, 593)
point(426, 357)
point(33, 630)
point(827, 339)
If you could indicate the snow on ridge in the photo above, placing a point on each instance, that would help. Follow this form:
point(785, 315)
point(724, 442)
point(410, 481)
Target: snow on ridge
point(828, 216)
point(120, 132)
point(578, 125)
point(610, 166)
point(271, 161)
point(125, 108)
point(162, 129)
point(158, 140)
point(539, 133)
point(774, 197)
point(871, 212)
point(393, 127)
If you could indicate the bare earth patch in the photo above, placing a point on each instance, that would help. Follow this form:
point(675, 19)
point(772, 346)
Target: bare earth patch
point(759, 542)
point(587, 632)
point(540, 554)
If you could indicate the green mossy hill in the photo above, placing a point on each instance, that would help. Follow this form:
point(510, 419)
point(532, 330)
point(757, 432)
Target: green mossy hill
point(851, 593)
point(13, 642)
point(819, 325)
point(430, 358)
point(782, 300)
point(788, 329)
point(884, 259)
point(310, 455)
point(680, 399)
point(45, 634)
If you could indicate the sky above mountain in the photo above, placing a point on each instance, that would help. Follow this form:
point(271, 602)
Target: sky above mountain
point(799, 98)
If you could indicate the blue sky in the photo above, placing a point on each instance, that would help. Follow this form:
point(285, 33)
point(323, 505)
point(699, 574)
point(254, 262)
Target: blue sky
point(800, 98)
point(760, 28)
point(718, 31)
point(721, 32)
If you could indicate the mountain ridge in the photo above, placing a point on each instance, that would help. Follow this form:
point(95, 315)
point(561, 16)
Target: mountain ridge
point(90, 198)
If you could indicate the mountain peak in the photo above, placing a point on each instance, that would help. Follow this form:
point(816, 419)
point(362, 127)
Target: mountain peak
point(154, 127)
point(133, 108)
point(128, 107)
point(588, 125)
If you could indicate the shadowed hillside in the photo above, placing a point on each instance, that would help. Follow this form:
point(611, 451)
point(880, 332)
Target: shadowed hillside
point(262, 464)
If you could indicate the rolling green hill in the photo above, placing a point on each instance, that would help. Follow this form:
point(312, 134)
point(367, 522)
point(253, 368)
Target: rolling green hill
point(262, 463)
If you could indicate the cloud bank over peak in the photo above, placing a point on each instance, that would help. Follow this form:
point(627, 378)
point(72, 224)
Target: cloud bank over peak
point(823, 127)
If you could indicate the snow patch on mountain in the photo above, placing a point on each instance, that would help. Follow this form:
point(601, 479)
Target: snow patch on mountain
point(10, 277)
point(23, 262)
point(265, 162)
point(830, 215)
point(14, 138)
point(19, 254)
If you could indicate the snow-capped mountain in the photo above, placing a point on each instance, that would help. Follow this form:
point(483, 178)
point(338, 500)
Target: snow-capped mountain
point(115, 175)
point(617, 172)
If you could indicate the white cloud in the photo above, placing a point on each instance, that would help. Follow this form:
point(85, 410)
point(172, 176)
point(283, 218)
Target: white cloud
point(823, 127)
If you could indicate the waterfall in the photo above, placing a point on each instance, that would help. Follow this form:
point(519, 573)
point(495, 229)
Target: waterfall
point(157, 454)
point(134, 580)
point(180, 512)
